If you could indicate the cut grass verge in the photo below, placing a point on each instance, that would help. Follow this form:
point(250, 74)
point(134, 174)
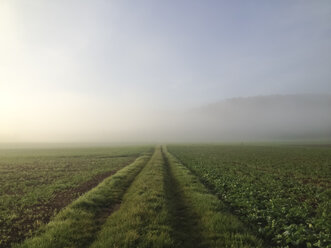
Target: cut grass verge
point(144, 219)
point(215, 226)
point(78, 223)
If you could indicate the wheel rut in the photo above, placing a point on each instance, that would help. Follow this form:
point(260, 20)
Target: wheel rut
point(184, 223)
point(106, 211)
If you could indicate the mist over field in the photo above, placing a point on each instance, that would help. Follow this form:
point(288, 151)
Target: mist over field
point(261, 118)
point(164, 71)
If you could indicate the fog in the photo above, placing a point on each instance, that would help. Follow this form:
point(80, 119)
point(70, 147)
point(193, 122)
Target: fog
point(261, 118)
point(251, 119)
point(164, 71)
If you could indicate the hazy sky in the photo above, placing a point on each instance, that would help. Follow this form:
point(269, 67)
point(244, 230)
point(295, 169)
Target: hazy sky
point(95, 70)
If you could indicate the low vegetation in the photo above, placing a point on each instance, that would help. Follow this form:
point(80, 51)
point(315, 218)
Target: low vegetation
point(180, 197)
point(36, 183)
point(166, 206)
point(210, 219)
point(78, 223)
point(282, 192)
point(144, 218)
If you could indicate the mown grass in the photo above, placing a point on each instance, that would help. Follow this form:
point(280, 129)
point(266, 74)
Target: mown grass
point(144, 219)
point(214, 225)
point(77, 224)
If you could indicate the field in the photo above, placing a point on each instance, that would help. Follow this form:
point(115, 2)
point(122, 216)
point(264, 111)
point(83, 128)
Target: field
point(282, 192)
point(36, 183)
point(174, 196)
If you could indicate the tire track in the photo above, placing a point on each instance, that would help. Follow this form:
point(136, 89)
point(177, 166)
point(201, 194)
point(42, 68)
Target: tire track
point(144, 219)
point(187, 233)
point(212, 225)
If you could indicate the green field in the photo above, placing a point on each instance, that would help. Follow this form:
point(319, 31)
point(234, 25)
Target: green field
point(282, 192)
point(174, 196)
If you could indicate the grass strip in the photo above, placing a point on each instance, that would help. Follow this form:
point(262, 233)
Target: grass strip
point(186, 231)
point(77, 224)
point(144, 219)
point(216, 226)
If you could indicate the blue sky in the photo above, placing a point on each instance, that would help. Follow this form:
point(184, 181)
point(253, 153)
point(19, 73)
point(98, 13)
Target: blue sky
point(73, 56)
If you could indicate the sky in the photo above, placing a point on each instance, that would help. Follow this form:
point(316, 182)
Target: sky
point(90, 71)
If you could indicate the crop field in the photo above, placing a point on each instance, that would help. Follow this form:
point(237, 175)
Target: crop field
point(169, 196)
point(36, 183)
point(282, 192)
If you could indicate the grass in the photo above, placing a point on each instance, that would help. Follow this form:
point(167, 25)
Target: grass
point(207, 217)
point(143, 219)
point(77, 224)
point(166, 206)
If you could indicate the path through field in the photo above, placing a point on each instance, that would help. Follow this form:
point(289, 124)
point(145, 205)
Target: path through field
point(154, 202)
